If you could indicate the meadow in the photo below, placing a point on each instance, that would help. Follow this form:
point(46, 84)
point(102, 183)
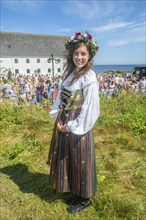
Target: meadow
point(120, 140)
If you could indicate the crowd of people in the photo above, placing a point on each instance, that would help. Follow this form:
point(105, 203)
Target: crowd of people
point(29, 89)
point(38, 88)
point(112, 85)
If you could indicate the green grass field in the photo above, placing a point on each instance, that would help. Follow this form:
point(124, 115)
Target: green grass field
point(120, 140)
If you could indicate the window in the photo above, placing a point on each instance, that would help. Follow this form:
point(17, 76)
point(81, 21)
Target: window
point(49, 70)
point(59, 70)
point(27, 61)
point(16, 70)
point(49, 61)
point(28, 71)
point(38, 60)
point(59, 60)
point(39, 70)
point(15, 60)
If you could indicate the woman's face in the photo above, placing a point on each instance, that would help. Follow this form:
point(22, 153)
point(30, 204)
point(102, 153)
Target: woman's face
point(80, 56)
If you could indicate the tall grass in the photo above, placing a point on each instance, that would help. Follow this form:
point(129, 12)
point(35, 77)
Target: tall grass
point(120, 139)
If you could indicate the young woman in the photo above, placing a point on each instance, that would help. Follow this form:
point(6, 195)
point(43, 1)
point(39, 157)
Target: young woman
point(71, 155)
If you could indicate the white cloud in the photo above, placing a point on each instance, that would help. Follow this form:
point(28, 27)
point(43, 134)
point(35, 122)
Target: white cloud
point(96, 9)
point(142, 15)
point(112, 26)
point(136, 34)
point(31, 4)
point(134, 39)
point(65, 30)
point(118, 33)
point(118, 42)
point(89, 9)
point(27, 5)
point(138, 27)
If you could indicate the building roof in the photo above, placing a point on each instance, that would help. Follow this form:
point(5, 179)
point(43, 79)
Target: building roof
point(31, 45)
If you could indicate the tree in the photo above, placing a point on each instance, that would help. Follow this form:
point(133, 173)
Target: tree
point(9, 74)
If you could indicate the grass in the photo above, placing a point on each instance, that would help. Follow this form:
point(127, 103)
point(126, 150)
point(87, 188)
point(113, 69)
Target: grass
point(120, 139)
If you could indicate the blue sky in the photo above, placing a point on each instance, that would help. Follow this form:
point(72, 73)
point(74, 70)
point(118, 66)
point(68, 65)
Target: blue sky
point(118, 26)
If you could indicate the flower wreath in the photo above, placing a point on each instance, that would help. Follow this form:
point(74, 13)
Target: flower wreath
point(85, 38)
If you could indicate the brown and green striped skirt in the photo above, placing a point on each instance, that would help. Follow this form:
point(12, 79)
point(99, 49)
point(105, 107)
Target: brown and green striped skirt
point(72, 156)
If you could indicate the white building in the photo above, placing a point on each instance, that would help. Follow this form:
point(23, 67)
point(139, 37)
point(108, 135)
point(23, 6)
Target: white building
point(32, 53)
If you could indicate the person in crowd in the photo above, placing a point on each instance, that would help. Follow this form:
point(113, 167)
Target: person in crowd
point(40, 90)
point(116, 91)
point(111, 89)
point(132, 86)
point(32, 99)
point(49, 90)
point(45, 93)
point(14, 88)
point(52, 93)
point(59, 82)
point(102, 90)
point(55, 88)
point(6, 89)
point(21, 82)
point(27, 89)
point(142, 85)
point(72, 155)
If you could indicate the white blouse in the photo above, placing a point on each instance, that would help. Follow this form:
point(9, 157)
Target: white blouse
point(90, 110)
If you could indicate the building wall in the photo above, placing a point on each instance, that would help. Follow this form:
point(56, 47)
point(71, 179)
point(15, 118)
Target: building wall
point(22, 67)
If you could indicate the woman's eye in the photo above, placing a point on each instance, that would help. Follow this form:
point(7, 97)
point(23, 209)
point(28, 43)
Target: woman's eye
point(82, 54)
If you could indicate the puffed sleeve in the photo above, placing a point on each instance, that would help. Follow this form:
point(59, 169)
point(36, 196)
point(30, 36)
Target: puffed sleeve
point(89, 112)
point(55, 109)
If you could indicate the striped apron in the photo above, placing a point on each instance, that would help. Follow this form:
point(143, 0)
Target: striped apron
point(71, 156)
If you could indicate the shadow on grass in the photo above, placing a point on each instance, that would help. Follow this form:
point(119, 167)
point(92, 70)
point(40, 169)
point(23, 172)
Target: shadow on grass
point(36, 183)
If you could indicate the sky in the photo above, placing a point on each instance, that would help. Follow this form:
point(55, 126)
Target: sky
point(118, 26)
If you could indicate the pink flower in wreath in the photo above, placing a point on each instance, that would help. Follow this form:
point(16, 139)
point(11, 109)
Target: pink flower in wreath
point(89, 36)
point(78, 34)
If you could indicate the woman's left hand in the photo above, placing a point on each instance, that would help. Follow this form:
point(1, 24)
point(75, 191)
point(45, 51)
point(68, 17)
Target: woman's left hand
point(63, 128)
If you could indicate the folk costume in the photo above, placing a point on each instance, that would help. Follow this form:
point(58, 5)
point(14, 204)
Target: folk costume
point(72, 154)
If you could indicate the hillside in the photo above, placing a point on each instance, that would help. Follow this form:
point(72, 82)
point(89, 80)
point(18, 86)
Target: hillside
point(120, 140)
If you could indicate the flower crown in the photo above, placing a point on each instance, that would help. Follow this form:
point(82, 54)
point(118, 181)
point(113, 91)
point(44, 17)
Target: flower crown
point(82, 38)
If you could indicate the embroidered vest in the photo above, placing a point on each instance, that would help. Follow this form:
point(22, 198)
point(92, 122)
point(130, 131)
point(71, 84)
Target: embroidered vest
point(71, 100)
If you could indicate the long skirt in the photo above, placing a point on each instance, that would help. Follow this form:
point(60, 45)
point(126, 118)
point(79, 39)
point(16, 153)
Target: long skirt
point(72, 156)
